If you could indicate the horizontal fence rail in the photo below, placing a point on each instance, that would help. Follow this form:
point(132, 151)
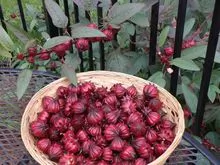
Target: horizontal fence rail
point(54, 31)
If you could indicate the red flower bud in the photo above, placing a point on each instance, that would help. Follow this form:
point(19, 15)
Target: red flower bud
point(144, 152)
point(82, 136)
point(151, 135)
point(94, 130)
point(95, 151)
point(43, 116)
point(112, 117)
point(50, 104)
point(109, 35)
point(159, 149)
point(152, 118)
point(140, 161)
point(128, 105)
point(55, 151)
point(107, 154)
point(110, 100)
point(82, 44)
point(169, 51)
point(54, 134)
point(94, 116)
point(62, 92)
point(123, 130)
point(30, 59)
point(138, 142)
point(150, 91)
point(44, 145)
point(117, 144)
point(128, 153)
point(111, 132)
point(78, 107)
point(118, 89)
point(67, 159)
point(32, 51)
point(132, 91)
point(39, 128)
point(60, 50)
point(138, 129)
point(44, 55)
point(167, 124)
point(134, 118)
point(61, 124)
point(167, 134)
point(20, 56)
point(155, 104)
point(71, 145)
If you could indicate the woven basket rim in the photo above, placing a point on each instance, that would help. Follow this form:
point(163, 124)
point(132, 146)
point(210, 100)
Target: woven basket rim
point(160, 159)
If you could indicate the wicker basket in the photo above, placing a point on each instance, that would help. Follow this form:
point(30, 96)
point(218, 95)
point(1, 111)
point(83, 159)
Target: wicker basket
point(105, 78)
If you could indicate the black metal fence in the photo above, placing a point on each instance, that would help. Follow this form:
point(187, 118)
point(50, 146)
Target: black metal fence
point(209, 59)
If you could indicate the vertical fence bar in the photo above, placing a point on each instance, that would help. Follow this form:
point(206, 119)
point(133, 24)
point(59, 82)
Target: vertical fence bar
point(90, 51)
point(76, 16)
point(51, 29)
point(133, 38)
point(22, 15)
point(101, 44)
point(2, 18)
point(178, 43)
point(207, 67)
point(153, 33)
point(66, 10)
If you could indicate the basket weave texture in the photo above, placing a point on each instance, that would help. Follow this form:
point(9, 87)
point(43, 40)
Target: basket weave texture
point(107, 79)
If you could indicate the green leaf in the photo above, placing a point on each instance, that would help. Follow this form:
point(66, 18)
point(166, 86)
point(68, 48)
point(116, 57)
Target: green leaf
point(18, 32)
point(45, 35)
point(56, 41)
point(140, 19)
point(217, 123)
point(84, 31)
point(5, 40)
point(33, 24)
point(158, 79)
point(4, 52)
point(188, 26)
point(72, 60)
point(163, 36)
point(69, 72)
point(185, 64)
point(116, 61)
point(190, 97)
point(214, 137)
point(211, 113)
point(120, 13)
point(59, 19)
point(130, 28)
point(194, 52)
point(24, 65)
point(212, 92)
point(23, 81)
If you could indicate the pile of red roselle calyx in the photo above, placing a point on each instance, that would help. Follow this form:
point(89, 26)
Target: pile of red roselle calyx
point(86, 124)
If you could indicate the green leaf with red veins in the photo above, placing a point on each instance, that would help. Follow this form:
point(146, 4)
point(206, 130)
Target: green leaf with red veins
point(163, 36)
point(190, 97)
point(188, 26)
point(59, 19)
point(5, 40)
point(120, 13)
point(186, 64)
point(69, 72)
point(56, 41)
point(81, 31)
point(23, 81)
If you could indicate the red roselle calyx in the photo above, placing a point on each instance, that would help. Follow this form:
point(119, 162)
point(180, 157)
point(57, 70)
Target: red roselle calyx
point(117, 144)
point(152, 118)
point(151, 135)
point(132, 91)
point(67, 159)
point(44, 145)
point(62, 91)
point(95, 151)
point(138, 129)
point(128, 105)
point(128, 153)
point(71, 145)
point(20, 56)
point(144, 152)
point(94, 115)
point(78, 107)
point(68, 135)
point(43, 116)
point(107, 154)
point(32, 51)
point(94, 130)
point(86, 146)
point(138, 142)
point(159, 149)
point(82, 136)
point(150, 91)
point(155, 104)
point(169, 51)
point(61, 124)
point(44, 55)
point(134, 118)
point(87, 87)
point(55, 151)
point(167, 124)
point(123, 130)
point(167, 134)
point(39, 128)
point(112, 117)
point(118, 89)
point(110, 100)
point(100, 141)
point(50, 104)
point(111, 132)
point(82, 44)
point(54, 134)
point(140, 161)
point(109, 35)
